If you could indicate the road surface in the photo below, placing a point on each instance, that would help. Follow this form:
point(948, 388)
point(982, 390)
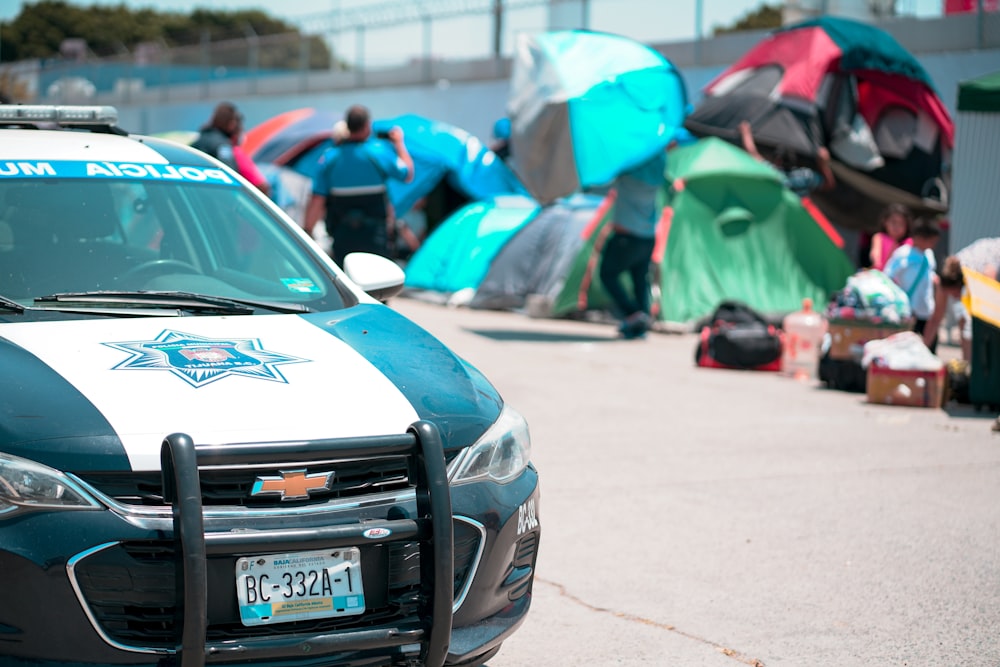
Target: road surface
point(697, 516)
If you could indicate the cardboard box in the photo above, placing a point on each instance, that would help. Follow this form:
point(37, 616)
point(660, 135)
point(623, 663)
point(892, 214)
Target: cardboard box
point(920, 389)
point(848, 337)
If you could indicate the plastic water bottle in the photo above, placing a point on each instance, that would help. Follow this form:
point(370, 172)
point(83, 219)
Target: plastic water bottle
point(804, 333)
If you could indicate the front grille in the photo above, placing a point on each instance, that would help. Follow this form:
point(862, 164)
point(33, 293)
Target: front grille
point(131, 591)
point(232, 486)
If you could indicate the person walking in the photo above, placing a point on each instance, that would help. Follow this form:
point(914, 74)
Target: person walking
point(628, 250)
point(914, 269)
point(350, 189)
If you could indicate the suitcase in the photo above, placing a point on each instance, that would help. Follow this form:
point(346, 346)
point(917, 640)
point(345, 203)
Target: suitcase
point(984, 365)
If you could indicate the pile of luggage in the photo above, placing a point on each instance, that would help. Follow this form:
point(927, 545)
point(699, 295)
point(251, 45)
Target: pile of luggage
point(869, 307)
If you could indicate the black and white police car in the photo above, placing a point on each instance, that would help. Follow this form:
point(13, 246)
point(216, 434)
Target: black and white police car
point(216, 447)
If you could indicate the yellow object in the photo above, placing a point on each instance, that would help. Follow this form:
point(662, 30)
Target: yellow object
point(982, 296)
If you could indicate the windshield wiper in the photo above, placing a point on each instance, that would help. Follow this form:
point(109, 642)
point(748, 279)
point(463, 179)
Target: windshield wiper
point(9, 304)
point(180, 300)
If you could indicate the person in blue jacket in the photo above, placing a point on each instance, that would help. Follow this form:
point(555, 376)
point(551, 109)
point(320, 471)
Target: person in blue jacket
point(350, 189)
point(628, 250)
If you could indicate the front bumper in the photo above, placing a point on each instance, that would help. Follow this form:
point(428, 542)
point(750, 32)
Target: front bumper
point(103, 588)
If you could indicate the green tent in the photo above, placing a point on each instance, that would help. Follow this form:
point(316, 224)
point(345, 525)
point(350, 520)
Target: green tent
point(729, 230)
point(980, 94)
point(733, 231)
point(582, 290)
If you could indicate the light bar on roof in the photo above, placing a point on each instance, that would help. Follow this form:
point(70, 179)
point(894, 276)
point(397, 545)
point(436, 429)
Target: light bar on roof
point(61, 115)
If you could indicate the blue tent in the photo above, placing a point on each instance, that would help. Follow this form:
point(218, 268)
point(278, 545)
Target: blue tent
point(440, 151)
point(443, 151)
point(458, 254)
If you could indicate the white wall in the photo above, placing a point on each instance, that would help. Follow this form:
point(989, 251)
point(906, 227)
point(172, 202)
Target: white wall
point(974, 212)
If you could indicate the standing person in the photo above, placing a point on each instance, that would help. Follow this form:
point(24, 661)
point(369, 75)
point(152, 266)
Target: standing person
point(350, 188)
point(800, 180)
point(894, 231)
point(629, 247)
point(982, 256)
point(220, 137)
point(216, 137)
point(914, 269)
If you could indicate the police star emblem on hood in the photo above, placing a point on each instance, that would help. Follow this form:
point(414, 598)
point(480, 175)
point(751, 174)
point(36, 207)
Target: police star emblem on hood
point(199, 360)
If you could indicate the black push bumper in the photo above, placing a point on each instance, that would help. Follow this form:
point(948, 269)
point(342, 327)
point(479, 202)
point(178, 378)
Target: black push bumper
point(430, 628)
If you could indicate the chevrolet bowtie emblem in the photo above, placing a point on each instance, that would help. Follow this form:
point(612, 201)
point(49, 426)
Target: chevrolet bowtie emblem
point(292, 484)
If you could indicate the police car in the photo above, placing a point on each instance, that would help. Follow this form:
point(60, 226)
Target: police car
point(216, 447)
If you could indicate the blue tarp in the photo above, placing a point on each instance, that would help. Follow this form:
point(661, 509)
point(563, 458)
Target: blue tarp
point(439, 151)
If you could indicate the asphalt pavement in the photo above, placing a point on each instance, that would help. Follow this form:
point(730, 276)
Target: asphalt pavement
point(696, 516)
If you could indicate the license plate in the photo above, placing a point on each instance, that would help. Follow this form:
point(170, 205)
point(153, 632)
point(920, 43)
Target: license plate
point(280, 588)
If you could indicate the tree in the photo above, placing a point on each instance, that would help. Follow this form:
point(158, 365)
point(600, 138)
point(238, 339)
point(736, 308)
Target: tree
point(41, 29)
point(765, 17)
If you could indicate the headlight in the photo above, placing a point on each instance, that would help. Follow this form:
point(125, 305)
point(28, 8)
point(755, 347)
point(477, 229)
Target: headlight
point(26, 484)
point(500, 454)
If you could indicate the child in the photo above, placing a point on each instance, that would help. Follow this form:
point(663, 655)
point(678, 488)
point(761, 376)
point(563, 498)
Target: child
point(914, 269)
point(894, 231)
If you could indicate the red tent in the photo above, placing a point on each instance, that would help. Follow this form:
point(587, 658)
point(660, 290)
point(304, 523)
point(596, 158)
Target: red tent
point(852, 88)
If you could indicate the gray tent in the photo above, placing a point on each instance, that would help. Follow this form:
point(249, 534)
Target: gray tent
point(536, 260)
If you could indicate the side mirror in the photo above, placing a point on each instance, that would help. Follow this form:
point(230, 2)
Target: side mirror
point(380, 277)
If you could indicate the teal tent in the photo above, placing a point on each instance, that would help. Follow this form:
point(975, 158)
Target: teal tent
point(458, 253)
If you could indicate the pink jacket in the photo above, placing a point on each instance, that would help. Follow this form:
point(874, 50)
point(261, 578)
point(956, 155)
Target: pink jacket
point(883, 246)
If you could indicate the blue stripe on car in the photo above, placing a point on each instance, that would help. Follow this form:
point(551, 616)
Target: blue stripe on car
point(47, 419)
point(438, 384)
point(97, 169)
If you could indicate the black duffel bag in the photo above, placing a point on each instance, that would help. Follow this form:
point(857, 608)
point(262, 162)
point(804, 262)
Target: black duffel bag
point(737, 336)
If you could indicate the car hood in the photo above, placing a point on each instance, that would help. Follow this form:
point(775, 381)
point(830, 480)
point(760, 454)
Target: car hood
point(101, 394)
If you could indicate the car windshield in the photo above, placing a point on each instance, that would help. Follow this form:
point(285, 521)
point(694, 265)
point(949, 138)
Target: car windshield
point(83, 235)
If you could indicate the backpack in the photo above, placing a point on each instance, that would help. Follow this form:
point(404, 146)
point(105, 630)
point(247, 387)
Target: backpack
point(737, 336)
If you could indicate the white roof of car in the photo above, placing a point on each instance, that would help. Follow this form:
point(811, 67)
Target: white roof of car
point(67, 145)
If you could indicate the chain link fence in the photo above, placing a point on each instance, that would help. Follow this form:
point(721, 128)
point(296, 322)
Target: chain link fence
point(345, 49)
